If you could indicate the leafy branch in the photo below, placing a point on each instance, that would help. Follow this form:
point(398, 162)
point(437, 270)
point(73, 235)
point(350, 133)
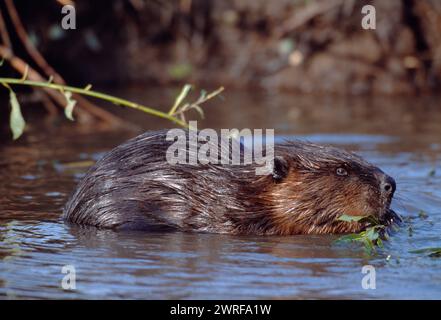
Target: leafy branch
point(175, 115)
point(370, 238)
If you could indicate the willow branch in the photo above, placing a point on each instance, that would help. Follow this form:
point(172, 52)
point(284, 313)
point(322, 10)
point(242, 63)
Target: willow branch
point(50, 72)
point(95, 94)
point(29, 46)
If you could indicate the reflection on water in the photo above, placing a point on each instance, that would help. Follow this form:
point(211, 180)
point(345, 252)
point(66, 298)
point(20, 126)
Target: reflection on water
point(401, 136)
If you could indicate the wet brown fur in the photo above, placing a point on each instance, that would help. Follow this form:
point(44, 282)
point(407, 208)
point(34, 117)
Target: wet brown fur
point(133, 187)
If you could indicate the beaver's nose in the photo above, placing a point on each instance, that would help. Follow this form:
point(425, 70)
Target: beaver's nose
point(387, 185)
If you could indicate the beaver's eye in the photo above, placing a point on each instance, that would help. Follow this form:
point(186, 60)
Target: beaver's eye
point(341, 172)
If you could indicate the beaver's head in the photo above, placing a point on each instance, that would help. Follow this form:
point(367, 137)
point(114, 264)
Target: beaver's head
point(315, 185)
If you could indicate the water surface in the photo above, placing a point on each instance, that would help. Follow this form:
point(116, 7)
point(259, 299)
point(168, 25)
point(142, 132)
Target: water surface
point(402, 136)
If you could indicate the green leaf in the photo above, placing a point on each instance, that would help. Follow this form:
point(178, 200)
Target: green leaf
point(435, 254)
point(348, 218)
point(16, 121)
point(369, 246)
point(70, 105)
point(348, 238)
point(352, 237)
point(372, 234)
point(369, 238)
point(380, 243)
point(432, 252)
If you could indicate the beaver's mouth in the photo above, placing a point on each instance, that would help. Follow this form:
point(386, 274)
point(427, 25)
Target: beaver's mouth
point(390, 218)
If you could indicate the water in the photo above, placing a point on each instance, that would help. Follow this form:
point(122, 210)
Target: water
point(38, 172)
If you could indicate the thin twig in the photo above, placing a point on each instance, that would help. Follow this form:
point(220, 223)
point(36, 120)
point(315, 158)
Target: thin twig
point(50, 107)
point(185, 90)
point(50, 72)
point(196, 105)
point(29, 46)
point(19, 65)
point(4, 32)
point(95, 94)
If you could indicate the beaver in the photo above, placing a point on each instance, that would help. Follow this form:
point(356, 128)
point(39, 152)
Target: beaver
point(307, 189)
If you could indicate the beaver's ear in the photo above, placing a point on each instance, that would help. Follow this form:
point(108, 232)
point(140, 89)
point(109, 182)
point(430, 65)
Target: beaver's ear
point(280, 168)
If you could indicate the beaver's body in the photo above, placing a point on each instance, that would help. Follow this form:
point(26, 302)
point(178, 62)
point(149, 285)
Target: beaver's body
point(134, 187)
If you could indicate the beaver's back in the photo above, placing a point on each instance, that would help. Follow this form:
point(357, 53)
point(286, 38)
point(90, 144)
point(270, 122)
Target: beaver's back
point(134, 187)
